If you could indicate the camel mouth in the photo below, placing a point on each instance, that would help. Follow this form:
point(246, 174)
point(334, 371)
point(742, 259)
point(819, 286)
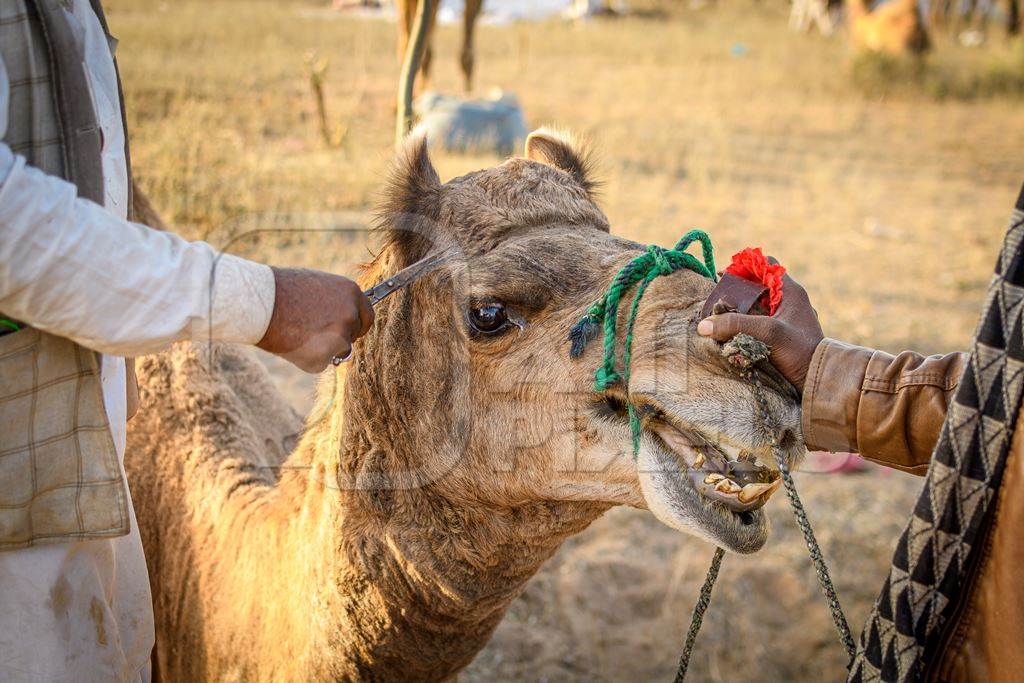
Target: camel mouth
point(722, 472)
point(708, 487)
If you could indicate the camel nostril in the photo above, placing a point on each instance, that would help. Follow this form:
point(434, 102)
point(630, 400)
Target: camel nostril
point(615, 404)
point(787, 439)
point(610, 406)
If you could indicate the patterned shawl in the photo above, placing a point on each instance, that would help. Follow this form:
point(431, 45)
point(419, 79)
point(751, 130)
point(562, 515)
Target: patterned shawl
point(933, 558)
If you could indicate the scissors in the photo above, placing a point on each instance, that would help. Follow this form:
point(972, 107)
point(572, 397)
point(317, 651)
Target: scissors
point(399, 280)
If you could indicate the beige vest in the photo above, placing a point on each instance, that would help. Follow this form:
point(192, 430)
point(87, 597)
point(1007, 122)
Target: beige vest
point(59, 475)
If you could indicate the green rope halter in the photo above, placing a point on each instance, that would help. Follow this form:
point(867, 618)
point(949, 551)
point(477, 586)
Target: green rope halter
point(654, 262)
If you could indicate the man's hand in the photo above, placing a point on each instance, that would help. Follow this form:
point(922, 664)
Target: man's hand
point(792, 333)
point(316, 316)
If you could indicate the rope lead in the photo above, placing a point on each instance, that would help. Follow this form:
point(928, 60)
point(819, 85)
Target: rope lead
point(698, 614)
point(817, 559)
point(641, 271)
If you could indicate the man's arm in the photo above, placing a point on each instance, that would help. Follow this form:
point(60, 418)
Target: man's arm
point(69, 267)
point(887, 408)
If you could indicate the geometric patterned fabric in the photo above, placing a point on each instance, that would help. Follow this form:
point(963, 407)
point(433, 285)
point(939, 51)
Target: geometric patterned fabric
point(933, 557)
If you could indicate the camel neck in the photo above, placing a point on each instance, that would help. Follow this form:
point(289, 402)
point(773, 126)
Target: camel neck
point(411, 584)
point(410, 581)
point(442, 577)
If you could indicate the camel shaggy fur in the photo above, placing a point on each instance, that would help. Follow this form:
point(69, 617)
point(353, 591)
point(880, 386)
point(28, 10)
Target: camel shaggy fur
point(447, 461)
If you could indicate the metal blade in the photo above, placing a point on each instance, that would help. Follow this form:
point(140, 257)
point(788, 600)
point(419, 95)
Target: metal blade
point(406, 276)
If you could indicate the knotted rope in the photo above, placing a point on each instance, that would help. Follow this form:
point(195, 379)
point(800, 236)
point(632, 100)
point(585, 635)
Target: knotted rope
point(743, 353)
point(643, 269)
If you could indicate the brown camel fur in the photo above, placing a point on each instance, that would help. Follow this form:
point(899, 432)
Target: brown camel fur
point(894, 28)
point(444, 464)
point(407, 12)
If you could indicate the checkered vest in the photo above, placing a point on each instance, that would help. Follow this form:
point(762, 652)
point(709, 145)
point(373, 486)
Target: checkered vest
point(60, 479)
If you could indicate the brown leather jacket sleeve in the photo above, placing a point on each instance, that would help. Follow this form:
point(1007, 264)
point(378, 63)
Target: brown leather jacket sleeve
point(887, 408)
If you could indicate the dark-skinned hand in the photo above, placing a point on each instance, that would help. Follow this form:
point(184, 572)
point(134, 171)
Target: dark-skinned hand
point(316, 316)
point(792, 334)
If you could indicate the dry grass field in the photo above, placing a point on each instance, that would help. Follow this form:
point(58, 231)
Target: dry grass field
point(886, 199)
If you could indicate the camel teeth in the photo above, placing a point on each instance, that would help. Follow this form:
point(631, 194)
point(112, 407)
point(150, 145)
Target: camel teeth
point(752, 491)
point(727, 486)
point(714, 478)
point(699, 461)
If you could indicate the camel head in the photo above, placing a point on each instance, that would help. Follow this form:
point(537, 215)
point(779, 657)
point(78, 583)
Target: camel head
point(465, 392)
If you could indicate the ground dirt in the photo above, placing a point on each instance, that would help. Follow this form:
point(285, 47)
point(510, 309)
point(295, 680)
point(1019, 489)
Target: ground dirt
point(890, 210)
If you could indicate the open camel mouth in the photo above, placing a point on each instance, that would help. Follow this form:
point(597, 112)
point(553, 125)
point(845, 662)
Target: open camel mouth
point(726, 474)
point(710, 487)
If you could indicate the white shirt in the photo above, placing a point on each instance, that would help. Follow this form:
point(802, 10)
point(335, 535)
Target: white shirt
point(82, 611)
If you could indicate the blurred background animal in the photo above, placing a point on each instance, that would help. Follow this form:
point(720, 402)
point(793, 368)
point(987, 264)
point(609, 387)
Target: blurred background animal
point(895, 27)
point(585, 9)
point(969, 19)
point(406, 10)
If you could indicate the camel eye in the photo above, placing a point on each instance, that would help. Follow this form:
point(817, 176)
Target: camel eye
point(489, 318)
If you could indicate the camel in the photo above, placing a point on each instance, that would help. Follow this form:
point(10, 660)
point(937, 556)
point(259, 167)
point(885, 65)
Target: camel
point(406, 13)
point(894, 28)
point(451, 457)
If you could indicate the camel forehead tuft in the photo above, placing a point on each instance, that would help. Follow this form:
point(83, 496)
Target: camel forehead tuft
point(483, 207)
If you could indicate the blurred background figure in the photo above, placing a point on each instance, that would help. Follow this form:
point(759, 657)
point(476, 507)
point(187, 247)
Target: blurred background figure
point(807, 14)
point(585, 9)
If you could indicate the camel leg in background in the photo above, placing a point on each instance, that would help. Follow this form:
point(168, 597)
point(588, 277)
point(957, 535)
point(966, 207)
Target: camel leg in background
point(406, 10)
point(807, 13)
point(983, 10)
point(967, 16)
point(428, 51)
point(472, 11)
point(798, 16)
point(1013, 18)
point(972, 15)
point(820, 16)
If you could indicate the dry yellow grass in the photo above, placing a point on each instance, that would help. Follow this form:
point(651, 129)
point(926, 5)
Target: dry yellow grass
point(889, 210)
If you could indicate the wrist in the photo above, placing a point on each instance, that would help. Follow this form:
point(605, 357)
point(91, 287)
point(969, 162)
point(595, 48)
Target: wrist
point(799, 378)
point(269, 341)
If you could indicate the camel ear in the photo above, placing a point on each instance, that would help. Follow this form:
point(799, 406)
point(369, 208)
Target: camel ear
point(563, 151)
point(411, 202)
